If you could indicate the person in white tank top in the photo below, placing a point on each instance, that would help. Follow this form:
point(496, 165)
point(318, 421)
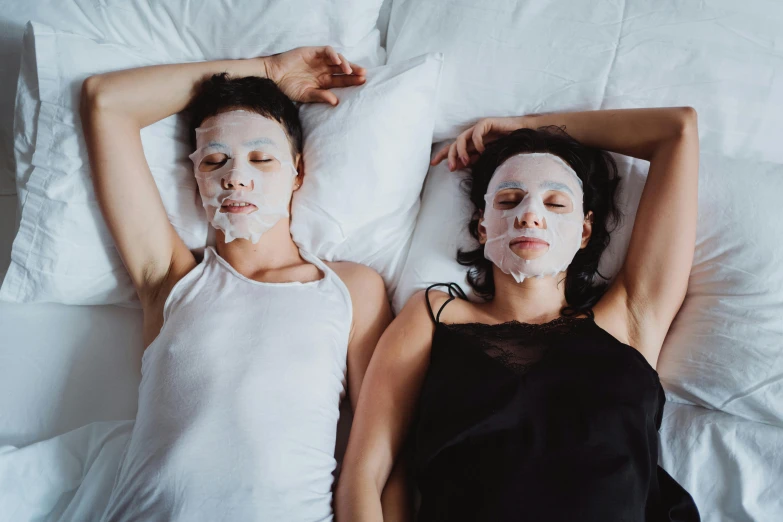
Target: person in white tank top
point(249, 352)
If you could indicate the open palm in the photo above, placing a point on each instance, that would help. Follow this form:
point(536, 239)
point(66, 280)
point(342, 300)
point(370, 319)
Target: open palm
point(306, 74)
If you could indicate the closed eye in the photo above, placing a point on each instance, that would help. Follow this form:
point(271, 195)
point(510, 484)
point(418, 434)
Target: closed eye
point(509, 198)
point(213, 161)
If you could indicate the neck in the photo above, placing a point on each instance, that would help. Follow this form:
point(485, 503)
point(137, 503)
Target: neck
point(534, 300)
point(276, 249)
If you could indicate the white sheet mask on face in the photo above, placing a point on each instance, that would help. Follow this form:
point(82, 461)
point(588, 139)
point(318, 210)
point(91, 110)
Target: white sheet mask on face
point(536, 175)
point(266, 181)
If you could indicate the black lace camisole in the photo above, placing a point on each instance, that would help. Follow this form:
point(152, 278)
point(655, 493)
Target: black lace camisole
point(548, 422)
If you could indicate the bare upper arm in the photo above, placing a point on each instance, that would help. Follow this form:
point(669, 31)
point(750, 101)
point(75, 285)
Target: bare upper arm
point(641, 303)
point(390, 392)
point(128, 196)
point(371, 315)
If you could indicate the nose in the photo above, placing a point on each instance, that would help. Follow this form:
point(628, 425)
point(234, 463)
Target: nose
point(235, 181)
point(529, 220)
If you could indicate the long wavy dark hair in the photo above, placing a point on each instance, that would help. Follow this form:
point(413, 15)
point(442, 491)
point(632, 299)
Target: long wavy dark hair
point(598, 172)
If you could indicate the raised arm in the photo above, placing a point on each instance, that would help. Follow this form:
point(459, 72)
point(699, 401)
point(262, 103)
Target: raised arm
point(651, 285)
point(384, 413)
point(116, 106)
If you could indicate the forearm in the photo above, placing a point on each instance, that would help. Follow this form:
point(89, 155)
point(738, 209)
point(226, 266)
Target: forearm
point(395, 499)
point(358, 498)
point(149, 94)
point(633, 132)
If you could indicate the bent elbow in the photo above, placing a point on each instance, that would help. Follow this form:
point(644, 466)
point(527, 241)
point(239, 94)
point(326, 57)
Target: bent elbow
point(687, 120)
point(93, 96)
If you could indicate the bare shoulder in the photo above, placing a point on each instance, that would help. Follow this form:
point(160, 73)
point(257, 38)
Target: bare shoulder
point(452, 308)
point(361, 280)
point(370, 305)
point(414, 318)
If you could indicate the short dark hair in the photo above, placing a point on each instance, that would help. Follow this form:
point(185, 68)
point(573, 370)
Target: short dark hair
point(598, 172)
point(252, 93)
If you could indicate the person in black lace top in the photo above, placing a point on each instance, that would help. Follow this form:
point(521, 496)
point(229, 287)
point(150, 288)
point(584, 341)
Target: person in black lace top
point(539, 400)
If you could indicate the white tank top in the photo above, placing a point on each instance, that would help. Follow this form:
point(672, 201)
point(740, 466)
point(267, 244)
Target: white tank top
point(239, 401)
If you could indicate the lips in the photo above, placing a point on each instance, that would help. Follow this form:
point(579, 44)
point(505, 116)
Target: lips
point(232, 206)
point(529, 243)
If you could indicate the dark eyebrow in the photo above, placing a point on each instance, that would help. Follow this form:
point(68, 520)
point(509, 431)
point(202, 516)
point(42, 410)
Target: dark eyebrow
point(554, 185)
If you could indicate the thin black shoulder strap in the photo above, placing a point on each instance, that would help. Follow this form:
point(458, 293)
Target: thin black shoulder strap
point(453, 288)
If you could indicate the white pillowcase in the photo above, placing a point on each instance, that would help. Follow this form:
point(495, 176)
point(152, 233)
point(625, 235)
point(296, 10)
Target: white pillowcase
point(508, 57)
point(516, 57)
point(365, 163)
point(442, 228)
point(63, 251)
point(183, 30)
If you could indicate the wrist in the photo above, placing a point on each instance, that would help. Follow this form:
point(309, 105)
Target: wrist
point(530, 121)
point(244, 67)
point(267, 68)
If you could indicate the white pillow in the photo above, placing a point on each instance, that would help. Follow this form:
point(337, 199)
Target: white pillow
point(516, 57)
point(442, 228)
point(367, 160)
point(508, 57)
point(63, 252)
point(182, 30)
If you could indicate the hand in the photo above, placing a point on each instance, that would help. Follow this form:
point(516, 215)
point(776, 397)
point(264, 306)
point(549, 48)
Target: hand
point(306, 74)
point(471, 143)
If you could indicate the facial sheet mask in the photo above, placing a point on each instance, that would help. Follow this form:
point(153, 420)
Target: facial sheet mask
point(536, 174)
point(258, 170)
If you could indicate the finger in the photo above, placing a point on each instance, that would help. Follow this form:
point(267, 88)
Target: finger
point(332, 55)
point(339, 69)
point(453, 156)
point(336, 69)
point(321, 96)
point(358, 69)
point(462, 146)
point(440, 156)
point(345, 64)
point(478, 136)
point(345, 80)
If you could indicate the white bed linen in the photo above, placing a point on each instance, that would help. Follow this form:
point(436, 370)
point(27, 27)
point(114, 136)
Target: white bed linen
point(185, 30)
point(78, 367)
point(732, 466)
point(13, 16)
